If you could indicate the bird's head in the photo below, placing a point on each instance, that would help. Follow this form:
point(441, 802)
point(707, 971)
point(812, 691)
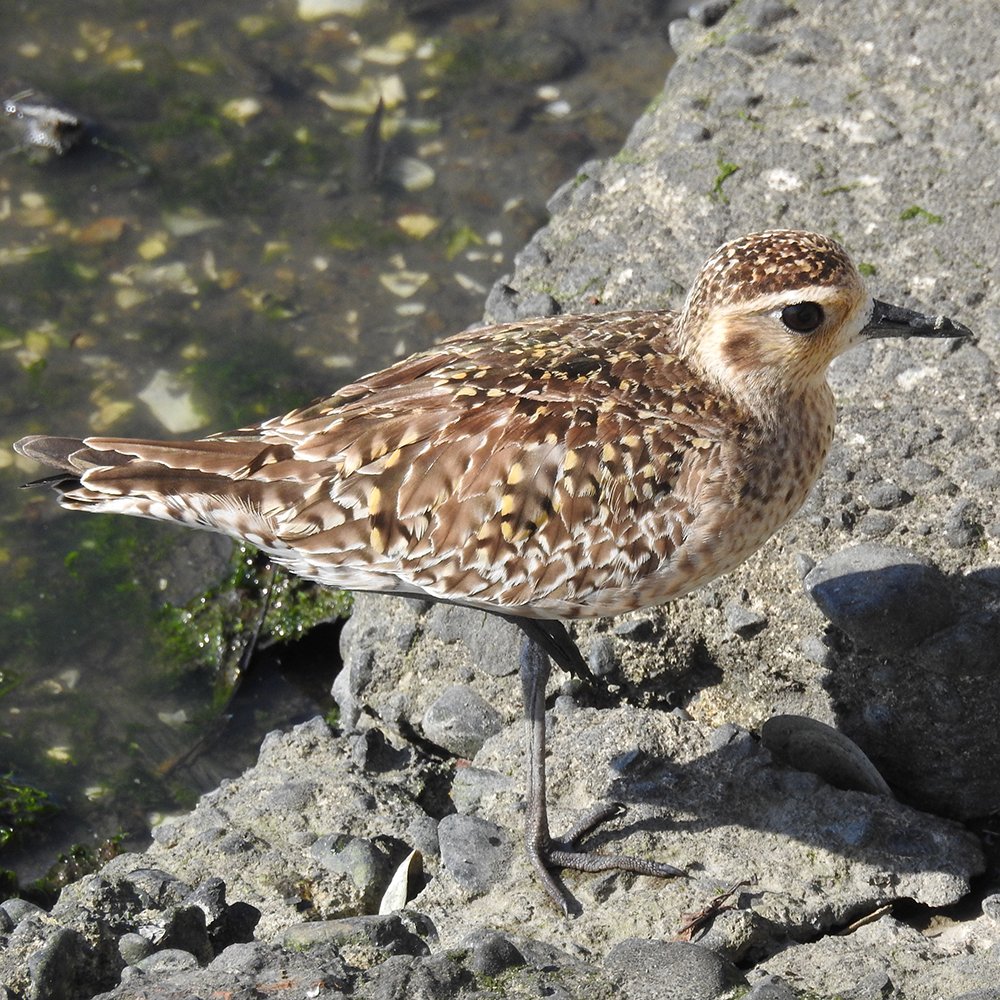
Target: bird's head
point(770, 311)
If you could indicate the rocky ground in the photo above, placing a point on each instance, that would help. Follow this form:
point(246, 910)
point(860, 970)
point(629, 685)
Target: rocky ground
point(383, 859)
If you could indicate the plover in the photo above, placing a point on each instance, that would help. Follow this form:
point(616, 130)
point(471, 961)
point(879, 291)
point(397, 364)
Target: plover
point(570, 467)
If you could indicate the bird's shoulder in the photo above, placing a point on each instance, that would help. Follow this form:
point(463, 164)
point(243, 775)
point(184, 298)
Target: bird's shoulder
point(576, 380)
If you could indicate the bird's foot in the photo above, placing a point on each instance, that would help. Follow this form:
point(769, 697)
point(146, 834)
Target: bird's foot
point(563, 853)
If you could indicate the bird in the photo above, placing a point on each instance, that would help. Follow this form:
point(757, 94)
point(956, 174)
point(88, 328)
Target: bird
point(545, 470)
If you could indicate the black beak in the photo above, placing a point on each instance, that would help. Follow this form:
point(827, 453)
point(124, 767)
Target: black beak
point(894, 321)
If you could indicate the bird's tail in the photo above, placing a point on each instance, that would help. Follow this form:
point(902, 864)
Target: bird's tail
point(138, 477)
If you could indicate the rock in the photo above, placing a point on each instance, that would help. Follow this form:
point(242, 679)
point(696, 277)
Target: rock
point(707, 12)
point(744, 621)
point(368, 866)
point(884, 597)
point(601, 659)
point(887, 496)
point(492, 953)
point(363, 941)
point(167, 962)
point(461, 721)
point(661, 970)
point(770, 988)
point(962, 527)
point(59, 969)
point(809, 745)
point(17, 909)
point(474, 851)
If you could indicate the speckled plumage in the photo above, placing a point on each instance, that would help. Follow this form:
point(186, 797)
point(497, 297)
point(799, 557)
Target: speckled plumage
point(573, 466)
point(578, 466)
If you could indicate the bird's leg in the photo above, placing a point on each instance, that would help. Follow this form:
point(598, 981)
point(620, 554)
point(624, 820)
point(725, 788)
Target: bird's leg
point(543, 853)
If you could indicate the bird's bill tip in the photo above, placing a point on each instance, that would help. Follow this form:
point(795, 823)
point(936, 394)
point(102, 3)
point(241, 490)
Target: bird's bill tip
point(895, 321)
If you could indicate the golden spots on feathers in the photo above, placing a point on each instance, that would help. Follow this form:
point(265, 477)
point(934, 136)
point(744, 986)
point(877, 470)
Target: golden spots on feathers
point(558, 467)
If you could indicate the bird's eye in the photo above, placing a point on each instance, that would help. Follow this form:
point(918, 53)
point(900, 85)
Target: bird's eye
point(803, 317)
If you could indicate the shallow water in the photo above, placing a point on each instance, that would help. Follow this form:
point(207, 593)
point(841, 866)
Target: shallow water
point(233, 237)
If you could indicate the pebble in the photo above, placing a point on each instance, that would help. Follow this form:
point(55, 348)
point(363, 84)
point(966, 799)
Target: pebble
point(764, 13)
point(962, 527)
point(707, 12)
point(666, 965)
point(363, 939)
point(602, 659)
point(461, 721)
point(770, 987)
point(752, 43)
point(492, 952)
point(887, 496)
point(744, 621)
point(168, 961)
point(493, 643)
point(884, 597)
point(17, 909)
point(810, 745)
point(368, 866)
point(876, 525)
point(474, 851)
point(636, 629)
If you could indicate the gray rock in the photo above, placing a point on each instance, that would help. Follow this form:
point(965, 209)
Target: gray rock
point(764, 13)
point(157, 888)
point(873, 987)
point(491, 952)
point(60, 968)
point(182, 929)
point(506, 305)
point(771, 988)
point(887, 496)
point(493, 642)
point(962, 526)
point(707, 12)
point(362, 940)
point(884, 597)
point(371, 751)
point(601, 659)
point(368, 867)
point(167, 962)
point(744, 621)
point(422, 835)
point(969, 648)
point(461, 721)
point(133, 948)
point(670, 970)
point(18, 909)
point(474, 851)
point(637, 629)
point(752, 43)
point(876, 526)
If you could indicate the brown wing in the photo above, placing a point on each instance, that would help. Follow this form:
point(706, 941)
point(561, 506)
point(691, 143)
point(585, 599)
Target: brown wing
point(511, 466)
